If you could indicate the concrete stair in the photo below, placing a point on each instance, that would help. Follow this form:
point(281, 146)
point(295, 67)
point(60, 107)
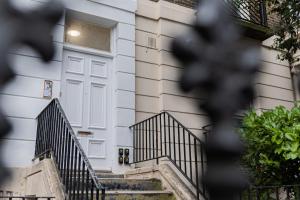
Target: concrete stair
point(119, 188)
point(139, 195)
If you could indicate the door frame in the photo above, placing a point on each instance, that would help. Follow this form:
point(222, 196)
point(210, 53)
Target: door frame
point(111, 55)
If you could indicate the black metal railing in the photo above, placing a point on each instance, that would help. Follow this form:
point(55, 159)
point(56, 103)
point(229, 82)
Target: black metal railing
point(285, 192)
point(162, 136)
point(55, 137)
point(25, 198)
point(253, 11)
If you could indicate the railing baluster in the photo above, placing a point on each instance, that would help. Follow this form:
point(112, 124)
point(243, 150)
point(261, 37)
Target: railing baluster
point(79, 177)
point(153, 139)
point(62, 139)
point(202, 164)
point(68, 150)
point(43, 132)
point(174, 140)
point(190, 157)
point(65, 153)
point(169, 129)
point(147, 140)
point(184, 151)
point(97, 194)
point(143, 141)
point(196, 167)
point(137, 156)
point(161, 147)
point(51, 130)
point(92, 190)
point(49, 140)
point(71, 169)
point(157, 149)
point(179, 149)
point(134, 145)
point(165, 134)
point(74, 173)
point(55, 136)
point(46, 128)
point(37, 140)
point(83, 184)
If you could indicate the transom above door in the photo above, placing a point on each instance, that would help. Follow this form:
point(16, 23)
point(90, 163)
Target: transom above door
point(86, 98)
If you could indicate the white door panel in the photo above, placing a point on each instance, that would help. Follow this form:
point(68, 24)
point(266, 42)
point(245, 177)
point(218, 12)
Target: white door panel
point(74, 101)
point(86, 98)
point(97, 106)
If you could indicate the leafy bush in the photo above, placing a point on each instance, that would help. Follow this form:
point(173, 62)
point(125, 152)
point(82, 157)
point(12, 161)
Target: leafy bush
point(273, 146)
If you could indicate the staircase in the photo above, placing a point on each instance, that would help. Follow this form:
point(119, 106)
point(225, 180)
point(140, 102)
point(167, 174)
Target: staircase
point(57, 140)
point(119, 188)
point(163, 136)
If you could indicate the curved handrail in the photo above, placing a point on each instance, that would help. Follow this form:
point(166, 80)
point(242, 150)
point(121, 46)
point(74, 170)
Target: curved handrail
point(86, 160)
point(162, 135)
point(55, 104)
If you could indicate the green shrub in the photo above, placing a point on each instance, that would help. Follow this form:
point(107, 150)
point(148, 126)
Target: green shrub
point(273, 146)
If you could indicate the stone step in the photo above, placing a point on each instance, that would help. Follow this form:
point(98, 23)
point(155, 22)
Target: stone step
point(99, 174)
point(132, 184)
point(109, 175)
point(131, 195)
point(139, 195)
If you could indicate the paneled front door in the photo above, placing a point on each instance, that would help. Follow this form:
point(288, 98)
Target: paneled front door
point(86, 98)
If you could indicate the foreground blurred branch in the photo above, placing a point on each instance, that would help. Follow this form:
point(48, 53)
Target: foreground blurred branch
point(220, 67)
point(34, 29)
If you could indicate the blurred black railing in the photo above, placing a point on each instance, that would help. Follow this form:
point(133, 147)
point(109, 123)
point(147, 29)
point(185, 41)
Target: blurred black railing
point(25, 198)
point(55, 137)
point(285, 192)
point(162, 136)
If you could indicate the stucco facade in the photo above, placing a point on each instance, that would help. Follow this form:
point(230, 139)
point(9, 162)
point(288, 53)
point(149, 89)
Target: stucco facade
point(22, 99)
point(157, 72)
point(144, 78)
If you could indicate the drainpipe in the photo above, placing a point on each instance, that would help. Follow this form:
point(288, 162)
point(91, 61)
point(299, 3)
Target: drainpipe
point(295, 70)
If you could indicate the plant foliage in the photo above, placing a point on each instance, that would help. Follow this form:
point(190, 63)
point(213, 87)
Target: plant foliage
point(287, 30)
point(273, 146)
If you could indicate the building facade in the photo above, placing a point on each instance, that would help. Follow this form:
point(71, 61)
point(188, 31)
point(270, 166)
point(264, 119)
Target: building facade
point(113, 68)
point(157, 72)
point(92, 74)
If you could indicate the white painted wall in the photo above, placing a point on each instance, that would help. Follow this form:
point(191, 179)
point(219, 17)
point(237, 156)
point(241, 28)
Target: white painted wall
point(22, 99)
point(157, 72)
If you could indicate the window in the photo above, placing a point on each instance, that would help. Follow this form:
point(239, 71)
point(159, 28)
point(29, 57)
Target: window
point(85, 34)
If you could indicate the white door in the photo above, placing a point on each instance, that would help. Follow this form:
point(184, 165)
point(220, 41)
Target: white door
point(86, 99)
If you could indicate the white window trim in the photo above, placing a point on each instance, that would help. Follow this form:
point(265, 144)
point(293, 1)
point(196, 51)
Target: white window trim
point(91, 51)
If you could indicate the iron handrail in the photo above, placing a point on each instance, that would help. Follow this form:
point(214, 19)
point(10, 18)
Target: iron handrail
point(163, 136)
point(25, 197)
point(55, 136)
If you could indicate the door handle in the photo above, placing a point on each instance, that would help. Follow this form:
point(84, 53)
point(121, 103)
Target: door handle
point(84, 132)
